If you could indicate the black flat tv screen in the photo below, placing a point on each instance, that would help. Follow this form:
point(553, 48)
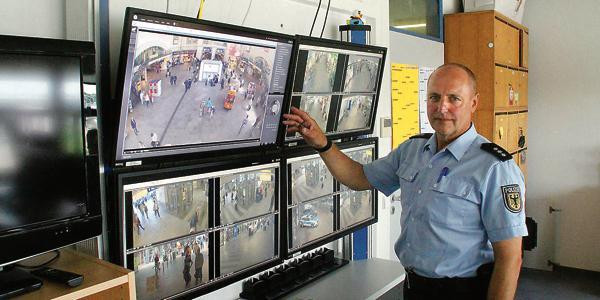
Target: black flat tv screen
point(337, 84)
point(189, 86)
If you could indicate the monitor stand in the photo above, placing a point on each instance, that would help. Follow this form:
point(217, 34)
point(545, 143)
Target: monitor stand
point(14, 281)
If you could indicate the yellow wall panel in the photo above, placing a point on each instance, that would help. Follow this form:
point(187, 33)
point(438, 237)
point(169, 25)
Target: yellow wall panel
point(405, 102)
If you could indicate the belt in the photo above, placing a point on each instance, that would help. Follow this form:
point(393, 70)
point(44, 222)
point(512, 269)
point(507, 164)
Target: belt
point(415, 281)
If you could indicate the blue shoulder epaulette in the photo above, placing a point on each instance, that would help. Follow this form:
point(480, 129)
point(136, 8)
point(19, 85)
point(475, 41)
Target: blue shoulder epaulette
point(421, 136)
point(497, 151)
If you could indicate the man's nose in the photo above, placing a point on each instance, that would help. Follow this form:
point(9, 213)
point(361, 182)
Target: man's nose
point(443, 104)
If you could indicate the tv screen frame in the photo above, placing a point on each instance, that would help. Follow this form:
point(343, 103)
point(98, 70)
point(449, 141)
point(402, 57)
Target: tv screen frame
point(213, 172)
point(296, 154)
point(32, 239)
point(337, 95)
point(161, 153)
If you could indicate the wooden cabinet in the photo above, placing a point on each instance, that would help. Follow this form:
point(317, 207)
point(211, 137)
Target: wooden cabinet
point(495, 48)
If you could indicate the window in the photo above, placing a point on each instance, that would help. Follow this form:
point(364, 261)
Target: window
point(422, 18)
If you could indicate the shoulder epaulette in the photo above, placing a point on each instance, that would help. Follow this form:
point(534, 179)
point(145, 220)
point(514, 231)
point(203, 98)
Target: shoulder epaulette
point(497, 151)
point(421, 136)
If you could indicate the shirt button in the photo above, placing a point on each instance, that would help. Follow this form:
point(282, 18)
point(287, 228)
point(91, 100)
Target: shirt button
point(412, 219)
point(419, 191)
point(410, 178)
point(430, 166)
point(435, 185)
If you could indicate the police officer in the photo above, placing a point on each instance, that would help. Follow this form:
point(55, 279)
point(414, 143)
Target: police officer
point(462, 196)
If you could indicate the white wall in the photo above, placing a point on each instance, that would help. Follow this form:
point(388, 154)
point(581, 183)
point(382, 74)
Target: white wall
point(564, 131)
point(33, 18)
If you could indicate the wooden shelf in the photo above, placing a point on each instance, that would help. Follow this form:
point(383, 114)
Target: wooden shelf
point(101, 280)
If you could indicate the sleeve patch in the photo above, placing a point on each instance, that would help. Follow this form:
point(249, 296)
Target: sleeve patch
point(512, 198)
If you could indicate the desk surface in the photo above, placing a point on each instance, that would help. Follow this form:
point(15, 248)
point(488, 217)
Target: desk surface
point(360, 279)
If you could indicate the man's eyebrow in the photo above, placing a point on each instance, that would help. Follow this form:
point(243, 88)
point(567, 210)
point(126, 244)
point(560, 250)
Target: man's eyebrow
point(433, 94)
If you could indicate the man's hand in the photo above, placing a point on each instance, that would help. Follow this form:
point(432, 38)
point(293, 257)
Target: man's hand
point(299, 121)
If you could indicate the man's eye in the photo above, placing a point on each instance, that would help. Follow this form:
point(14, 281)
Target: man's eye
point(434, 98)
point(454, 98)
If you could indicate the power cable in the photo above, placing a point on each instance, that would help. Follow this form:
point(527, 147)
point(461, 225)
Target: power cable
point(247, 11)
point(316, 14)
point(326, 15)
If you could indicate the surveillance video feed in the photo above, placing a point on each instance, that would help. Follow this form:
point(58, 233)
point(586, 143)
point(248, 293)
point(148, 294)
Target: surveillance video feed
point(247, 244)
point(355, 207)
point(361, 73)
point(355, 112)
point(310, 179)
point(247, 195)
point(187, 90)
point(166, 269)
point(311, 220)
point(363, 156)
point(317, 107)
point(320, 71)
point(168, 211)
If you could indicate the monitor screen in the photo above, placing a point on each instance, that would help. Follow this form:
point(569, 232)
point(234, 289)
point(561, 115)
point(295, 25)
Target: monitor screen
point(337, 84)
point(165, 209)
point(42, 169)
point(310, 178)
point(192, 86)
point(248, 243)
point(356, 206)
point(170, 268)
point(311, 221)
point(248, 193)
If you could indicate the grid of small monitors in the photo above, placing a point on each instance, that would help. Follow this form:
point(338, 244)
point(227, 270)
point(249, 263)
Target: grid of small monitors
point(175, 246)
point(313, 197)
point(336, 87)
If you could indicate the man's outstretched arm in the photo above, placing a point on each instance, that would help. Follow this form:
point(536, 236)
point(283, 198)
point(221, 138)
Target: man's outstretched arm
point(343, 168)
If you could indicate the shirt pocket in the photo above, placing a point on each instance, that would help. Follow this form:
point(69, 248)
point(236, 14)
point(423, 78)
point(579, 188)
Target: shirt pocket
point(407, 175)
point(454, 202)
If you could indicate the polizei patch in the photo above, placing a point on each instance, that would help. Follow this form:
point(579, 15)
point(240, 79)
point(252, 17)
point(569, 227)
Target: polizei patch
point(512, 198)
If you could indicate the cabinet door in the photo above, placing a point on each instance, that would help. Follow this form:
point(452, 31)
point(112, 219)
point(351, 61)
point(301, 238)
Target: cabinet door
point(522, 129)
point(524, 49)
point(506, 85)
point(522, 99)
point(506, 43)
point(512, 142)
point(501, 131)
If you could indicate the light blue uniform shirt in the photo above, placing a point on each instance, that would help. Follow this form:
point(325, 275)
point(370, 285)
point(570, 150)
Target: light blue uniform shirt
point(450, 218)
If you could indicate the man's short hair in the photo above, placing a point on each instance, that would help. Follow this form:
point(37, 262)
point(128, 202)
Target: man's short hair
point(470, 73)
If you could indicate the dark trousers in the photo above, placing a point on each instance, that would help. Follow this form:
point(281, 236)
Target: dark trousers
point(473, 288)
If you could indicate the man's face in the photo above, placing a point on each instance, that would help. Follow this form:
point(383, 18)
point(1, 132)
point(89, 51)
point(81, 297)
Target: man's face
point(451, 101)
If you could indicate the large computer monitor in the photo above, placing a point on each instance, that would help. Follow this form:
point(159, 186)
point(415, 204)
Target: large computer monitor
point(320, 209)
point(187, 86)
point(46, 200)
point(222, 217)
point(337, 84)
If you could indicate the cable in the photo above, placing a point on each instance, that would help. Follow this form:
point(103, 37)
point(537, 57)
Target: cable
point(167, 7)
point(42, 264)
point(326, 15)
point(200, 10)
point(247, 11)
point(316, 14)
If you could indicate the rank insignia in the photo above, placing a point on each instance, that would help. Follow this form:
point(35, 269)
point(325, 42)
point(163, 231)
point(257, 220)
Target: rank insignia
point(512, 198)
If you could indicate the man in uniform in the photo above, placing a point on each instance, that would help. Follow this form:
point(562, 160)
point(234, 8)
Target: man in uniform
point(462, 196)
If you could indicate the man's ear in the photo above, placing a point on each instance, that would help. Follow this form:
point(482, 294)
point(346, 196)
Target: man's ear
point(474, 102)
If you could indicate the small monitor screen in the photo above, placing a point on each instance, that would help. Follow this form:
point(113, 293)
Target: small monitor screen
point(162, 210)
point(247, 244)
point(192, 87)
point(164, 270)
point(248, 194)
point(42, 170)
point(337, 86)
point(310, 179)
point(355, 207)
point(311, 220)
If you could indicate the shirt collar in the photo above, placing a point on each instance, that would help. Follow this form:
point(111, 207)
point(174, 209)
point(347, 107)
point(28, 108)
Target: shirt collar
point(458, 147)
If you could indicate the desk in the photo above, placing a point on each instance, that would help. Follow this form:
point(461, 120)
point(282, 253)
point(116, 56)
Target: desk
point(102, 280)
point(360, 279)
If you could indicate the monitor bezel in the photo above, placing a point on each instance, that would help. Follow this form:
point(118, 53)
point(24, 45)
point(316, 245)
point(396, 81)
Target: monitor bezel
point(334, 44)
point(198, 150)
point(337, 232)
point(65, 231)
